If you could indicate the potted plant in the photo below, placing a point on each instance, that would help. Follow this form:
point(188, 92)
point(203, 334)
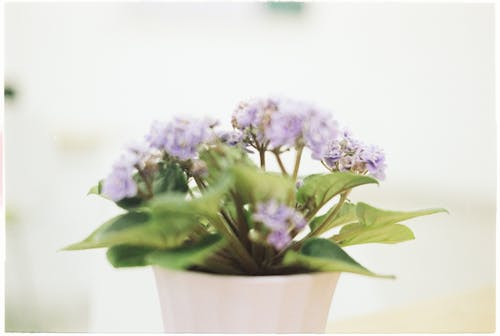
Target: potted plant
point(234, 247)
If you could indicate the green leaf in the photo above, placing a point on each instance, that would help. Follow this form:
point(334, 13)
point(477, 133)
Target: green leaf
point(170, 178)
point(220, 158)
point(371, 216)
point(358, 233)
point(186, 256)
point(346, 215)
point(379, 226)
point(128, 255)
point(206, 205)
point(177, 216)
point(130, 203)
point(318, 189)
point(131, 228)
point(255, 185)
point(322, 255)
point(96, 190)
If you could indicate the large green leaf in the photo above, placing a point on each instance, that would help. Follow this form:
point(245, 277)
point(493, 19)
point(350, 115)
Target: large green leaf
point(186, 256)
point(371, 216)
point(177, 216)
point(322, 255)
point(132, 228)
point(207, 205)
point(255, 185)
point(379, 226)
point(358, 233)
point(318, 189)
point(346, 215)
point(128, 255)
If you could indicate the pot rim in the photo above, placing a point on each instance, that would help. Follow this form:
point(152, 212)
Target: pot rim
point(248, 278)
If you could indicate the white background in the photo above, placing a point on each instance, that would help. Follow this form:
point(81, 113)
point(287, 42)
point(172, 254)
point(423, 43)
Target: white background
point(416, 79)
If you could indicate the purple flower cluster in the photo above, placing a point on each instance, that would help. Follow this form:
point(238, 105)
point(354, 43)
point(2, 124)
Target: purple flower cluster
point(251, 117)
point(120, 183)
point(284, 123)
point(350, 154)
point(179, 138)
point(281, 220)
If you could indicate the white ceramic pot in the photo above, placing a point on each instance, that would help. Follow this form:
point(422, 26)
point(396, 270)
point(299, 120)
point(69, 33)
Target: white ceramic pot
point(195, 302)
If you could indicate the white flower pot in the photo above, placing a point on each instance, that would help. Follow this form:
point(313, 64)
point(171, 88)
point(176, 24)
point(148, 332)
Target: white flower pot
point(195, 302)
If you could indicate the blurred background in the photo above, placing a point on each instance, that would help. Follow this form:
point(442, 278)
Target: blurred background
point(82, 79)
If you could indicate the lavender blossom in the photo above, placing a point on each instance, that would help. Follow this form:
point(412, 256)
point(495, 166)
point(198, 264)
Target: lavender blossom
point(280, 219)
point(137, 153)
point(319, 130)
point(375, 161)
point(157, 136)
point(279, 239)
point(350, 154)
point(180, 138)
point(248, 114)
point(285, 125)
point(252, 117)
point(120, 183)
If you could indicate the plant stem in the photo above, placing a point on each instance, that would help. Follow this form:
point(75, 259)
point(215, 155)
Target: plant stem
point(296, 244)
point(324, 165)
point(146, 181)
point(280, 163)
point(262, 155)
point(298, 155)
point(245, 259)
point(241, 222)
point(332, 215)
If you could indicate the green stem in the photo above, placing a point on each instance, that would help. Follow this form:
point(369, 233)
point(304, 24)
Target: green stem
point(324, 165)
point(280, 163)
point(241, 222)
point(146, 181)
point(296, 244)
point(262, 155)
point(332, 215)
point(246, 260)
point(298, 155)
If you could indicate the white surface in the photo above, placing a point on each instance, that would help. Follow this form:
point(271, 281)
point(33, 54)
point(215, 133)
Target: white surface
point(415, 79)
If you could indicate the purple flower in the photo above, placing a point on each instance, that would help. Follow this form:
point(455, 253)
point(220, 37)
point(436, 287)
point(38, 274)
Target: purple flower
point(157, 135)
point(319, 130)
point(375, 161)
point(279, 239)
point(350, 154)
point(280, 220)
point(137, 153)
point(252, 118)
point(248, 114)
point(285, 124)
point(180, 138)
point(119, 183)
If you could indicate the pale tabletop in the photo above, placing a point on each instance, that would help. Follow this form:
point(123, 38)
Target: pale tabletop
point(467, 312)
